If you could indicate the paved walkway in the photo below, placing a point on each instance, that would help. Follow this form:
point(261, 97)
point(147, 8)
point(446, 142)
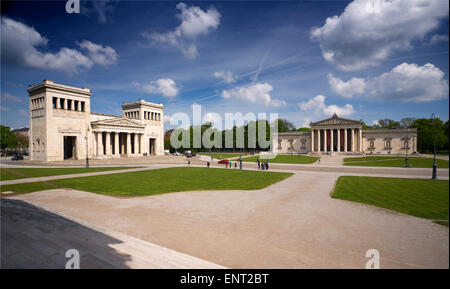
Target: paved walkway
point(35, 238)
point(291, 224)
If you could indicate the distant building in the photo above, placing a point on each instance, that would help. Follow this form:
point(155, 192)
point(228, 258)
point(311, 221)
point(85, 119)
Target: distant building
point(62, 126)
point(346, 136)
point(22, 132)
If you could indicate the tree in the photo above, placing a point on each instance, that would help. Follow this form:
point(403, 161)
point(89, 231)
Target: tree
point(406, 122)
point(425, 134)
point(7, 138)
point(388, 123)
point(285, 126)
point(307, 129)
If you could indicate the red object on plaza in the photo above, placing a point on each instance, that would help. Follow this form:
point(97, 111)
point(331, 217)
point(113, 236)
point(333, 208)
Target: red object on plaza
point(223, 161)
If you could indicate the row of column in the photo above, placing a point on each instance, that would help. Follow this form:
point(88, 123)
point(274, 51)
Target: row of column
point(329, 145)
point(76, 105)
point(118, 143)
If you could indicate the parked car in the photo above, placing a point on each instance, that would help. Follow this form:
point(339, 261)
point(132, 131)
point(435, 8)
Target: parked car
point(176, 154)
point(17, 158)
point(223, 161)
point(188, 155)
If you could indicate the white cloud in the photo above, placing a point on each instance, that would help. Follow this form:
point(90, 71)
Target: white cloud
point(167, 118)
point(306, 122)
point(315, 103)
point(164, 86)
point(342, 111)
point(369, 31)
point(194, 22)
point(375, 122)
point(20, 44)
point(213, 118)
point(101, 55)
point(405, 82)
point(227, 76)
point(346, 89)
point(256, 93)
point(318, 106)
point(7, 97)
point(437, 38)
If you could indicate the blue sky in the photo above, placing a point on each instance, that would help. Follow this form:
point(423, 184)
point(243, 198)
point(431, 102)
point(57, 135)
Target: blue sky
point(364, 62)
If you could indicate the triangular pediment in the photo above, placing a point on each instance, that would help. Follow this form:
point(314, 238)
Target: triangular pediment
point(336, 120)
point(119, 121)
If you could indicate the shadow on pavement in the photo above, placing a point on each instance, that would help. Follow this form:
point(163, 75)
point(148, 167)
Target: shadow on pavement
point(34, 238)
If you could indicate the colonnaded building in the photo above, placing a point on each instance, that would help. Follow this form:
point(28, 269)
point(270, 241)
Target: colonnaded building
point(62, 126)
point(346, 136)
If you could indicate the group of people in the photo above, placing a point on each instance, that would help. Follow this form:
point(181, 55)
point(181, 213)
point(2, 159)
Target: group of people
point(228, 165)
point(262, 165)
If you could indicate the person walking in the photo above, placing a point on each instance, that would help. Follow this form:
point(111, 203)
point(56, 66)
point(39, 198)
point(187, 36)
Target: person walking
point(229, 164)
point(207, 164)
point(267, 166)
point(235, 164)
point(189, 163)
point(319, 159)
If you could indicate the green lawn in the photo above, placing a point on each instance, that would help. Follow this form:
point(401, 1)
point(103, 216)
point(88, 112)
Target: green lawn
point(394, 161)
point(417, 197)
point(284, 159)
point(223, 156)
point(159, 181)
point(22, 173)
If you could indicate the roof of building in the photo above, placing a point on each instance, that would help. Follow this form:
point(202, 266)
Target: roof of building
point(51, 84)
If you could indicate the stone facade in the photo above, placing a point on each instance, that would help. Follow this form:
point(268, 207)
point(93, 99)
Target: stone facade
point(346, 136)
point(62, 126)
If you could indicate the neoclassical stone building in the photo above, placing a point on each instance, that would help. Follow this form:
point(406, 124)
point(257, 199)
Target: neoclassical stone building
point(346, 136)
point(62, 126)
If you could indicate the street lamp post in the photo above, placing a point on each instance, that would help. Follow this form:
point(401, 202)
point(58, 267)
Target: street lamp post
point(434, 176)
point(406, 149)
point(87, 148)
point(240, 160)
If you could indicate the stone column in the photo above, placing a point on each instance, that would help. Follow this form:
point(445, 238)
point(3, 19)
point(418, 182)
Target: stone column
point(99, 143)
point(116, 144)
point(345, 140)
point(360, 140)
point(65, 103)
point(331, 140)
point(318, 140)
point(94, 143)
point(312, 140)
point(128, 144)
point(352, 145)
point(58, 103)
point(136, 144)
point(338, 140)
point(141, 143)
point(122, 147)
point(108, 143)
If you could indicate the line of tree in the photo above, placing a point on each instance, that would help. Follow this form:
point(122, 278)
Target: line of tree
point(426, 128)
point(283, 126)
